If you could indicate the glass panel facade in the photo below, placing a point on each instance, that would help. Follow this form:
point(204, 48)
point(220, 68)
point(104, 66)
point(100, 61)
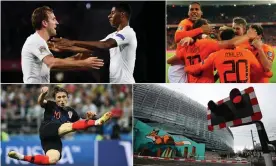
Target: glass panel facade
point(178, 114)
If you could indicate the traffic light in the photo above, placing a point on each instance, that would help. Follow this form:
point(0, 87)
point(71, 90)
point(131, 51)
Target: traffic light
point(240, 107)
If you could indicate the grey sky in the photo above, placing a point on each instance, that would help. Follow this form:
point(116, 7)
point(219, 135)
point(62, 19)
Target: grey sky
point(266, 94)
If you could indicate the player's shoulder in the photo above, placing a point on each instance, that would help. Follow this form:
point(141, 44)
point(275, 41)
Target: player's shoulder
point(34, 40)
point(267, 47)
point(242, 49)
point(219, 52)
point(245, 51)
point(269, 51)
point(185, 21)
point(68, 108)
point(51, 102)
point(128, 30)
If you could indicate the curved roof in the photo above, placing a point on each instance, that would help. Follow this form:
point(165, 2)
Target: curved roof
point(176, 113)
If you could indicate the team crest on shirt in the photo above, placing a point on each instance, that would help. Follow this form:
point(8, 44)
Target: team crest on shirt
point(42, 49)
point(269, 54)
point(70, 113)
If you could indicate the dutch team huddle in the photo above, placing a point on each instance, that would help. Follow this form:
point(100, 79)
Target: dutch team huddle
point(235, 54)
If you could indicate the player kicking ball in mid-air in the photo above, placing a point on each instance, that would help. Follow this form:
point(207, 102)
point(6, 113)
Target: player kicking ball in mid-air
point(59, 119)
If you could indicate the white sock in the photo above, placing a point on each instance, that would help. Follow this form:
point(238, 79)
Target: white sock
point(20, 156)
point(97, 122)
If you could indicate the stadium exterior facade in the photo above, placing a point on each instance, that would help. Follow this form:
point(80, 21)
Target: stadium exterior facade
point(177, 114)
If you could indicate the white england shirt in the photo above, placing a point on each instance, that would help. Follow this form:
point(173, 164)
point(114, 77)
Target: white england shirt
point(34, 50)
point(176, 74)
point(122, 57)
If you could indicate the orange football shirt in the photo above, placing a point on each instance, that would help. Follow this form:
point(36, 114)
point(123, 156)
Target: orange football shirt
point(259, 75)
point(196, 53)
point(233, 65)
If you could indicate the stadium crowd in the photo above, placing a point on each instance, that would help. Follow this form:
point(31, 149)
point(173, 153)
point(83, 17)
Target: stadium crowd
point(222, 14)
point(21, 114)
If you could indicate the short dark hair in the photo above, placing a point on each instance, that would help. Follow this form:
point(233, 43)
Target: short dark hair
point(199, 23)
point(259, 29)
point(227, 34)
point(39, 15)
point(195, 3)
point(58, 89)
point(123, 7)
point(240, 20)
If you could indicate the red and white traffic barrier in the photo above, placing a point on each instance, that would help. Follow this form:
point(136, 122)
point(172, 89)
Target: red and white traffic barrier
point(257, 115)
point(191, 160)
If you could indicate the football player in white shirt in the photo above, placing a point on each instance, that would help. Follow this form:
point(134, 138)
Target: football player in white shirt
point(122, 45)
point(37, 59)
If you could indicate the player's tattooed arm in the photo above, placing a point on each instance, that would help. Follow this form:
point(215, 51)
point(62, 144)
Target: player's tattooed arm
point(41, 99)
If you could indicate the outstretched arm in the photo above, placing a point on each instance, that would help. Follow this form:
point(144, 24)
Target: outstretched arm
point(58, 48)
point(251, 34)
point(182, 31)
point(41, 99)
point(109, 43)
point(79, 56)
point(57, 63)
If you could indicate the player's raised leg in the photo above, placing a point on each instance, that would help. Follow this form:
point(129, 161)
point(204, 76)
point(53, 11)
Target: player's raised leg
point(51, 157)
point(83, 124)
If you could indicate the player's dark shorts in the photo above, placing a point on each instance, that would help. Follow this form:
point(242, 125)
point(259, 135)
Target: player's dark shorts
point(49, 137)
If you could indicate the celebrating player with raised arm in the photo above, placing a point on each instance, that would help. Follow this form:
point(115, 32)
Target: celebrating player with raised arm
point(37, 59)
point(59, 119)
point(176, 71)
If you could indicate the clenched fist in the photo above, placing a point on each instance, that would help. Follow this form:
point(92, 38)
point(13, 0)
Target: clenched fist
point(44, 89)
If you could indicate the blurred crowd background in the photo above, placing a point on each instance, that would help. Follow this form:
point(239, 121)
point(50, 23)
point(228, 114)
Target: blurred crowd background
point(20, 113)
point(224, 14)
